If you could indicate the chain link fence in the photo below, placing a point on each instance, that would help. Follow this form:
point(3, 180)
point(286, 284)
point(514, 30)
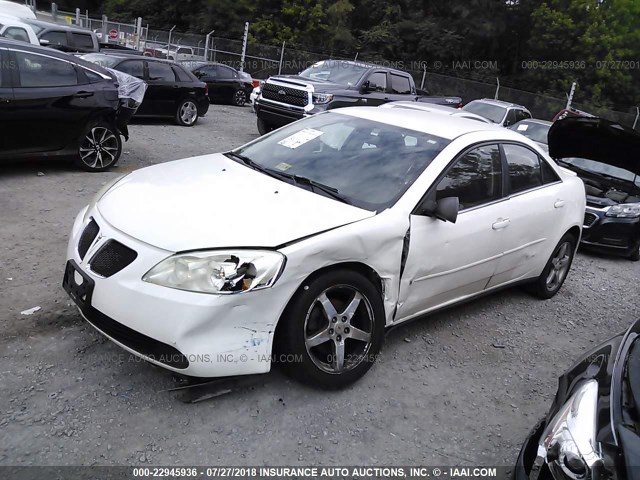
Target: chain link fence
point(263, 60)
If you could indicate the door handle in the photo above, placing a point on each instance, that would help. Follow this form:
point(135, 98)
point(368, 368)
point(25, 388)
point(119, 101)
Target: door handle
point(83, 94)
point(5, 100)
point(501, 223)
point(558, 204)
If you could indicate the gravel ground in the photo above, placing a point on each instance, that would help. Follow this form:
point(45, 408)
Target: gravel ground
point(462, 387)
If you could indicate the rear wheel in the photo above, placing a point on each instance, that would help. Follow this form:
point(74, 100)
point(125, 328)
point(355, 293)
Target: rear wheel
point(635, 256)
point(100, 148)
point(239, 98)
point(187, 113)
point(333, 330)
point(555, 271)
point(264, 127)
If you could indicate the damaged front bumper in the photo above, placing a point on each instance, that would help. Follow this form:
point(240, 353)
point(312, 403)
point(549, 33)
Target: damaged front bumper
point(195, 334)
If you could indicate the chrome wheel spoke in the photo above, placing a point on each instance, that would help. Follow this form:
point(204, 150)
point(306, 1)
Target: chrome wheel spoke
point(318, 339)
point(338, 359)
point(327, 306)
point(352, 307)
point(357, 334)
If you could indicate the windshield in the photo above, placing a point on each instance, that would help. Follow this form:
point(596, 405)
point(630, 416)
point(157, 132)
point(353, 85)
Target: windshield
point(102, 60)
point(494, 113)
point(370, 164)
point(336, 71)
point(535, 131)
point(599, 168)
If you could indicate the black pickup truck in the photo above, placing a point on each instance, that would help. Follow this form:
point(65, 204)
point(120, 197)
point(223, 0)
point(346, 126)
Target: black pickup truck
point(333, 84)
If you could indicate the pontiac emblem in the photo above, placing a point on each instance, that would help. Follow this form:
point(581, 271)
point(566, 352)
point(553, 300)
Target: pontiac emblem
point(281, 92)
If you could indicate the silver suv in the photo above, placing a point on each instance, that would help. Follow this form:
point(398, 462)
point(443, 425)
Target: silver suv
point(497, 111)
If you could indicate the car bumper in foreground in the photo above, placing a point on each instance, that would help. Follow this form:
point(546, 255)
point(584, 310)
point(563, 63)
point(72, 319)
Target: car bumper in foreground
point(195, 334)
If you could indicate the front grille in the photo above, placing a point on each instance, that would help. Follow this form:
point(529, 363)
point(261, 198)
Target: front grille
point(288, 95)
point(589, 219)
point(88, 236)
point(111, 258)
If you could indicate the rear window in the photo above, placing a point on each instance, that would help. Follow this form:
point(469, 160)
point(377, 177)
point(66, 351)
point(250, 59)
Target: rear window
point(495, 113)
point(132, 67)
point(181, 74)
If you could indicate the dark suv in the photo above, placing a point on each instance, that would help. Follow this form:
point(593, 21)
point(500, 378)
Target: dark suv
point(65, 38)
point(54, 104)
point(172, 90)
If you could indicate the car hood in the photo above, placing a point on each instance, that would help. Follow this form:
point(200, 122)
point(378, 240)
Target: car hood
point(318, 85)
point(212, 201)
point(595, 139)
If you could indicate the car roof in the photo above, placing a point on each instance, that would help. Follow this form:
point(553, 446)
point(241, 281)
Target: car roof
point(535, 120)
point(440, 109)
point(57, 26)
point(433, 123)
point(128, 56)
point(499, 103)
point(52, 52)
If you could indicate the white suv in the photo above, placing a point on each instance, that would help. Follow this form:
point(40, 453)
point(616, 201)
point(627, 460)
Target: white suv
point(499, 112)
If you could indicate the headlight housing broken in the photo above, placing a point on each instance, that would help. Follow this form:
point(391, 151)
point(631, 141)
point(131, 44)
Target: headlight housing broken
point(218, 271)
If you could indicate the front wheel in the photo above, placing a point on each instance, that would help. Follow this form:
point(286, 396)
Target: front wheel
point(187, 113)
point(333, 329)
point(556, 270)
point(635, 256)
point(264, 127)
point(100, 148)
point(239, 98)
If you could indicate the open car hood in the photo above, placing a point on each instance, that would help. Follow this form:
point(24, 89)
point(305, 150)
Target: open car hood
point(595, 139)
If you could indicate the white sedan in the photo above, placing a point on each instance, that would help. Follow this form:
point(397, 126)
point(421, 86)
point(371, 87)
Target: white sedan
point(304, 245)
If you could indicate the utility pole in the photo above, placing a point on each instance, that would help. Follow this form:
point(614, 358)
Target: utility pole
point(570, 97)
point(281, 58)
point(169, 43)
point(244, 45)
point(497, 88)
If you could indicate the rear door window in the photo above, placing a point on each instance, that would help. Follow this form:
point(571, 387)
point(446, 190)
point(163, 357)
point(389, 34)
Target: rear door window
point(400, 84)
point(132, 67)
point(82, 40)
point(524, 167)
point(161, 72)
point(41, 71)
point(181, 74)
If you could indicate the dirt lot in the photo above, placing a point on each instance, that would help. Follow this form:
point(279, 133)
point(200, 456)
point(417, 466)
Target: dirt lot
point(462, 387)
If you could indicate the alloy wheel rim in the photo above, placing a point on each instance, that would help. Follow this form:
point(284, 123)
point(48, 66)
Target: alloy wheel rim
point(338, 329)
point(559, 266)
point(99, 148)
point(188, 112)
point(239, 98)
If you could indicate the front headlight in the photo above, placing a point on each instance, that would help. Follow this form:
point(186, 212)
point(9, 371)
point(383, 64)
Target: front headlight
point(320, 98)
point(624, 210)
point(218, 271)
point(569, 440)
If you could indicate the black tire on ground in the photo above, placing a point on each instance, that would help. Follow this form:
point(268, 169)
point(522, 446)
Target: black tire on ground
point(187, 113)
point(635, 256)
point(99, 148)
point(239, 98)
point(332, 330)
point(264, 127)
point(555, 271)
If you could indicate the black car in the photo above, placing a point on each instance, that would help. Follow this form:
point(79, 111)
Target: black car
point(592, 430)
point(226, 84)
point(54, 104)
point(606, 156)
point(172, 90)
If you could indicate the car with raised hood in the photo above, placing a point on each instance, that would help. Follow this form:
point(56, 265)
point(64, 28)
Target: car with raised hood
point(172, 90)
point(606, 156)
point(535, 129)
point(592, 430)
point(309, 242)
point(56, 105)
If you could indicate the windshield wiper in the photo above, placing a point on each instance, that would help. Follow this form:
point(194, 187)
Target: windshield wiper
point(331, 191)
point(256, 166)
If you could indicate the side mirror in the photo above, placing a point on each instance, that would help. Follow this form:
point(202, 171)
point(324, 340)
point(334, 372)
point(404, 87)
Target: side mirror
point(445, 209)
point(44, 43)
point(365, 87)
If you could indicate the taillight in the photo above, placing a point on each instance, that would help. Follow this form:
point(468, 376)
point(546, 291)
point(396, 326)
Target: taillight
point(206, 89)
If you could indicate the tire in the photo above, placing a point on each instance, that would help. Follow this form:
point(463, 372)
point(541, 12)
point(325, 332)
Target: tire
point(239, 98)
point(264, 127)
point(332, 330)
point(187, 113)
point(555, 271)
point(100, 148)
point(635, 256)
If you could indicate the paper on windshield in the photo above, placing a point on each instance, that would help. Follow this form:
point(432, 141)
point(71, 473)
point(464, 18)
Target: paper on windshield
point(523, 128)
point(300, 138)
